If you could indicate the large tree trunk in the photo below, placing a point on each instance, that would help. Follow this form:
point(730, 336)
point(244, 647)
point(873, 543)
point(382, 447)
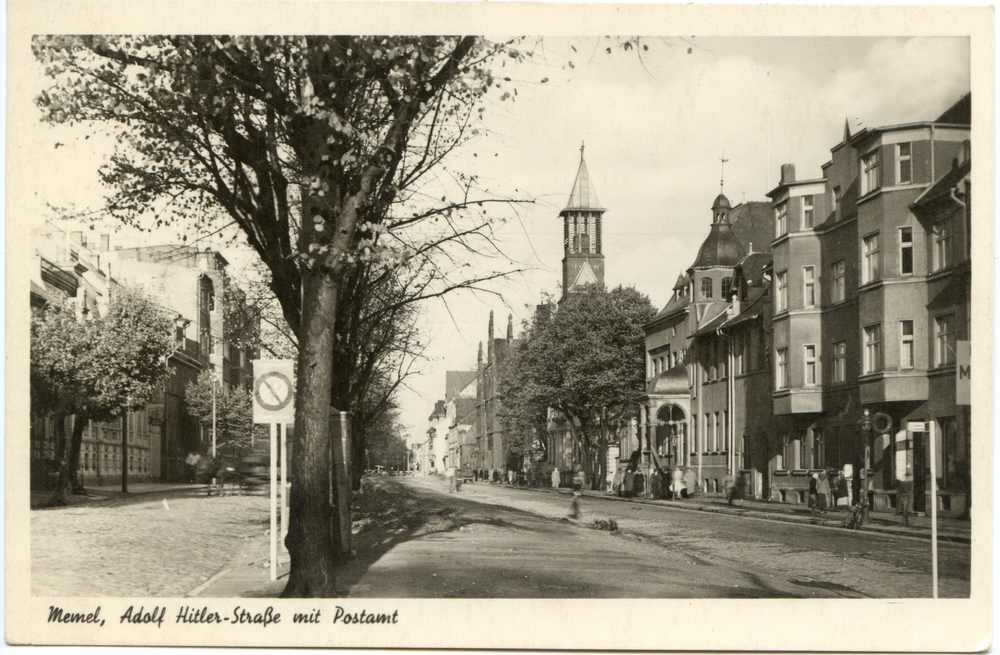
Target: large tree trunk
point(80, 422)
point(313, 521)
point(68, 453)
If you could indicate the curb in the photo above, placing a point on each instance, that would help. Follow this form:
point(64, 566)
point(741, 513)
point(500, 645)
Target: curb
point(770, 516)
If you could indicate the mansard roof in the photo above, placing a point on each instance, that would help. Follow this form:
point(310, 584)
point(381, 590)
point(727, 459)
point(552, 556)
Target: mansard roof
point(720, 248)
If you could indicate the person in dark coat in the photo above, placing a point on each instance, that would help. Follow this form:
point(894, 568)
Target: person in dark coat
point(628, 483)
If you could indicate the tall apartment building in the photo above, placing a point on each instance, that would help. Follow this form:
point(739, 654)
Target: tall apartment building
point(870, 298)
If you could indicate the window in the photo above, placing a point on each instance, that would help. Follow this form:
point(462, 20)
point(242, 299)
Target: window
point(781, 299)
point(942, 244)
point(716, 434)
point(904, 166)
point(944, 351)
point(906, 344)
point(873, 348)
point(839, 281)
point(711, 361)
point(738, 351)
point(870, 265)
point(727, 288)
point(781, 219)
point(906, 251)
point(807, 212)
point(706, 288)
point(809, 358)
point(819, 448)
point(708, 432)
point(869, 172)
point(781, 379)
point(836, 202)
point(808, 286)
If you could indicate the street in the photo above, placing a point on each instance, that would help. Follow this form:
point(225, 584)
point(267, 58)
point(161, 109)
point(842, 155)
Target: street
point(489, 550)
point(414, 539)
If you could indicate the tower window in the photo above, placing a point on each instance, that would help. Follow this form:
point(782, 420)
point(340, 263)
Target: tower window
point(727, 287)
point(706, 288)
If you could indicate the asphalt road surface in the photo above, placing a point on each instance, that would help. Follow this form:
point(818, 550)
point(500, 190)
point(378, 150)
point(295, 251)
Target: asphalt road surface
point(489, 541)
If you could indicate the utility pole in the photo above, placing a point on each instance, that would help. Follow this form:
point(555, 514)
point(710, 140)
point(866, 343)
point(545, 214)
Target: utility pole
point(214, 423)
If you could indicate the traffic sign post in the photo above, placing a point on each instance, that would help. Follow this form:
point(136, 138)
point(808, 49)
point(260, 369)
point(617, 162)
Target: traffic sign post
point(274, 404)
point(929, 428)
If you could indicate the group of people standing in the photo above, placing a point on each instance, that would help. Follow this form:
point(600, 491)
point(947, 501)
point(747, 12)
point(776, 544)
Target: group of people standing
point(499, 476)
point(662, 483)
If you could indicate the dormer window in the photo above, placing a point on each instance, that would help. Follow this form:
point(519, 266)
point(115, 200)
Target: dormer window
point(706, 288)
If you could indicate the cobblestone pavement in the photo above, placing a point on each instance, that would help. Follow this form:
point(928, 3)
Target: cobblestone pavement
point(854, 564)
point(160, 544)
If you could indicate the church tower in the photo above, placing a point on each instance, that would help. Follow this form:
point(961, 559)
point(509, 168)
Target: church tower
point(583, 262)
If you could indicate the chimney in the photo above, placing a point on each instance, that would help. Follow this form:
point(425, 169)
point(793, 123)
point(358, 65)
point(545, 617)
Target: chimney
point(510, 328)
point(735, 308)
point(787, 173)
point(76, 236)
point(105, 242)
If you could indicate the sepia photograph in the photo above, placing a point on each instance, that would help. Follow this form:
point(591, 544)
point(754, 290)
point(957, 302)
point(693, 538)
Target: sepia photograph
point(363, 333)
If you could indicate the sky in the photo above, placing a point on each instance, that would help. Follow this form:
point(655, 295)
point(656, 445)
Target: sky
point(655, 127)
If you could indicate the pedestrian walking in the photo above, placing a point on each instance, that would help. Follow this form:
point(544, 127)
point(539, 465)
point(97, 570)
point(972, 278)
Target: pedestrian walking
point(814, 493)
point(656, 487)
point(628, 483)
point(450, 474)
point(729, 484)
point(677, 482)
point(510, 476)
point(555, 478)
point(904, 498)
point(690, 482)
point(574, 506)
point(579, 480)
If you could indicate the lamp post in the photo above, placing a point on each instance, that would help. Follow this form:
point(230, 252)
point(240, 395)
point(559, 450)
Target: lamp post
point(866, 433)
point(128, 403)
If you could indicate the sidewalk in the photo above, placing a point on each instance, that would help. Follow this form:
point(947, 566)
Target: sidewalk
point(949, 529)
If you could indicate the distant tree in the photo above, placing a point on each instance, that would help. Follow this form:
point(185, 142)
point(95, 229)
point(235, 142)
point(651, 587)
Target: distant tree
point(95, 368)
point(587, 362)
point(233, 411)
point(385, 446)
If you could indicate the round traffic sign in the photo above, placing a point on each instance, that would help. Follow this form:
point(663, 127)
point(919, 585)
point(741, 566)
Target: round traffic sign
point(273, 391)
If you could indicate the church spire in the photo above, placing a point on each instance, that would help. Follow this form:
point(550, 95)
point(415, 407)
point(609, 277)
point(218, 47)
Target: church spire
point(583, 262)
point(583, 195)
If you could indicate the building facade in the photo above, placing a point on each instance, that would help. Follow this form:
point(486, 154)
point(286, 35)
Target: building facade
point(871, 298)
point(691, 416)
point(182, 280)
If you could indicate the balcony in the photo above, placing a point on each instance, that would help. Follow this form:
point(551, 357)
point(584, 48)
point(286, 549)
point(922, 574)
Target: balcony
point(893, 386)
point(798, 401)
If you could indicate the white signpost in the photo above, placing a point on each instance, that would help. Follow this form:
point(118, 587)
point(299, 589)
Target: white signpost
point(928, 427)
point(274, 404)
point(963, 373)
